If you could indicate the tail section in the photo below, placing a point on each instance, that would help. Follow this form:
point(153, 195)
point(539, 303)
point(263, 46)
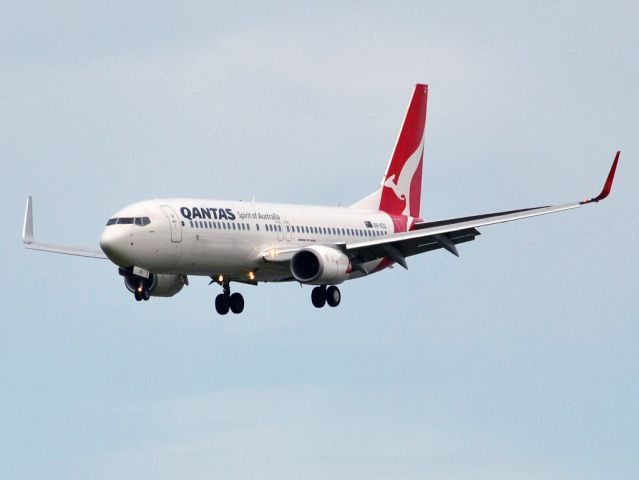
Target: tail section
point(400, 192)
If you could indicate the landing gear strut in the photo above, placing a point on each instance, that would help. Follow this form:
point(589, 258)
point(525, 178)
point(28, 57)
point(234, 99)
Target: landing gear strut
point(322, 295)
point(226, 301)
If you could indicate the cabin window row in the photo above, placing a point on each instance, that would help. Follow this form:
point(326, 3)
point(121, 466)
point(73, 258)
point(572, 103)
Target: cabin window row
point(352, 232)
point(219, 225)
point(336, 231)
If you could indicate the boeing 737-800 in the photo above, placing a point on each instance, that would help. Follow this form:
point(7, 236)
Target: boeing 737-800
point(157, 244)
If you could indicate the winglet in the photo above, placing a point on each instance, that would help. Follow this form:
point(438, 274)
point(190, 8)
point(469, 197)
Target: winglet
point(608, 185)
point(27, 228)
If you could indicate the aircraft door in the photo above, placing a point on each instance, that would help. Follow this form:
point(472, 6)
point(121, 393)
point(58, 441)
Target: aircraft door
point(288, 231)
point(174, 222)
point(280, 231)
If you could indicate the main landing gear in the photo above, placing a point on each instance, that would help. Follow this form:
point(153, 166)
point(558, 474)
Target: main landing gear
point(322, 295)
point(226, 301)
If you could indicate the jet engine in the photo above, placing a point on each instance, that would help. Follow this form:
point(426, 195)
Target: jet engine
point(158, 285)
point(320, 265)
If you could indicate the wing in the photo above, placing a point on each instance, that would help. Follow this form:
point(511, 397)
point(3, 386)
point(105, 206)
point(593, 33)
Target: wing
point(446, 234)
point(30, 243)
point(427, 236)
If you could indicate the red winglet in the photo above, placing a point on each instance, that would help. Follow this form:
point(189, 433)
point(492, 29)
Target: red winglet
point(608, 185)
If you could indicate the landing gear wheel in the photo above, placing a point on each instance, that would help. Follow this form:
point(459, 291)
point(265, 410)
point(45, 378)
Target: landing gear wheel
point(318, 297)
point(138, 295)
point(146, 294)
point(333, 296)
point(236, 302)
point(222, 304)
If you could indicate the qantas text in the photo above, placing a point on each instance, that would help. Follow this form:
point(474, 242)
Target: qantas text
point(210, 213)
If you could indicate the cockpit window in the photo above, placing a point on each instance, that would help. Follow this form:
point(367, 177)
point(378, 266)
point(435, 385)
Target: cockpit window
point(140, 221)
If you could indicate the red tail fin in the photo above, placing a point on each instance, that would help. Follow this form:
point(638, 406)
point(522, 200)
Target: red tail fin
point(402, 184)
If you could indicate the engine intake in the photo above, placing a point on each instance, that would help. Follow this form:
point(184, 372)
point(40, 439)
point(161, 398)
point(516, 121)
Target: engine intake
point(320, 265)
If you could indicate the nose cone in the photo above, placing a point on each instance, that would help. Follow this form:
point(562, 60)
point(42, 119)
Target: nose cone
point(113, 243)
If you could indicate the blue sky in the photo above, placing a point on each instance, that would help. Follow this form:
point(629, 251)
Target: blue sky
point(517, 360)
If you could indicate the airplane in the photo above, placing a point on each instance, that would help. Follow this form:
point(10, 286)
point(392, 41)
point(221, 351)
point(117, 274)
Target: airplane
point(158, 244)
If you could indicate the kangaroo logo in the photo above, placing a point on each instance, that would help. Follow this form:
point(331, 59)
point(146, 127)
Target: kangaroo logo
point(400, 184)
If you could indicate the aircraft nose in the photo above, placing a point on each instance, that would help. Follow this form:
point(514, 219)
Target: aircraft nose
point(113, 244)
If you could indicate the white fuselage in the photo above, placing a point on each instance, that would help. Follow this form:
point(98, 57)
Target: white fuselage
point(213, 237)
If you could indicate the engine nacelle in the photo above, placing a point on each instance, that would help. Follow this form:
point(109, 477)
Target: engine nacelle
point(158, 285)
point(320, 265)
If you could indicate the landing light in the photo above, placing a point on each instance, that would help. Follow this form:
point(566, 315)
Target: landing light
point(220, 278)
point(251, 276)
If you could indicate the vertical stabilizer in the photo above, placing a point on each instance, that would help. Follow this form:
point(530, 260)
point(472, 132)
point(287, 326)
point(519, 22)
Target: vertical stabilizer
point(400, 192)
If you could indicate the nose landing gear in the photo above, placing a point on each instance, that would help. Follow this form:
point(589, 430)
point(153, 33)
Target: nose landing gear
point(226, 301)
point(142, 292)
point(322, 295)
